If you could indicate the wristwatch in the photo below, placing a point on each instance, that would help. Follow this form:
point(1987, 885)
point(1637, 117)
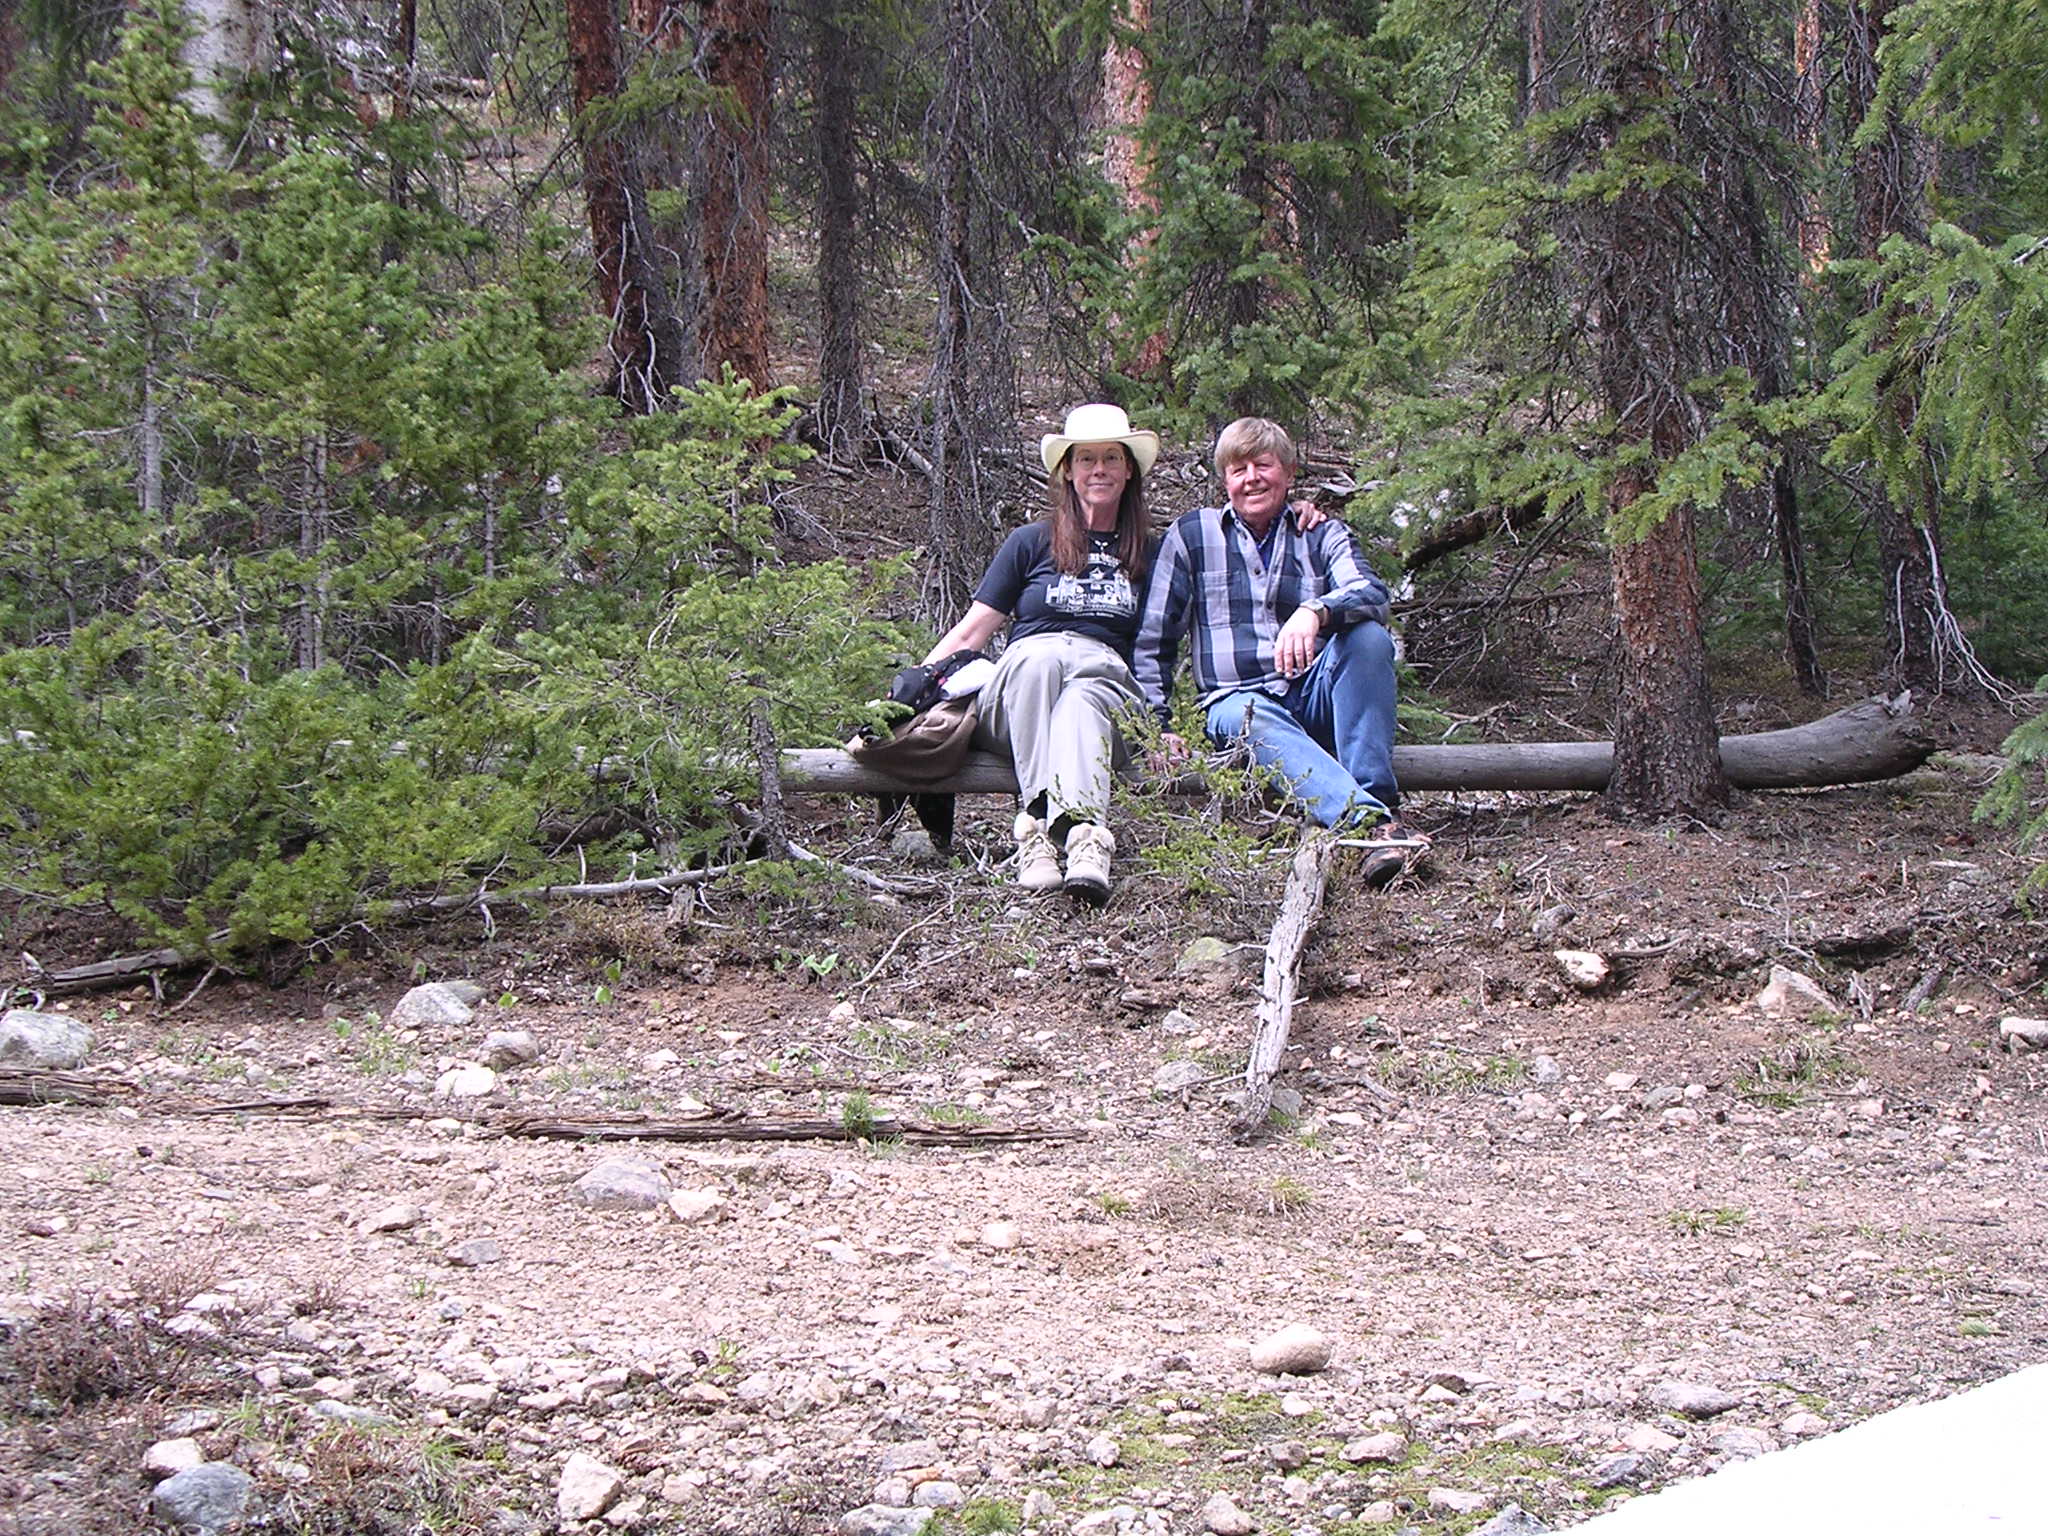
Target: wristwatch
point(1320, 609)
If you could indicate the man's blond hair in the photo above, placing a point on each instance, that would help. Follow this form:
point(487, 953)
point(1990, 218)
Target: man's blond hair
point(1248, 437)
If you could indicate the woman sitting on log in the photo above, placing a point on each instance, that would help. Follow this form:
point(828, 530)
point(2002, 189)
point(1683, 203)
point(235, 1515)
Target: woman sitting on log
point(1069, 585)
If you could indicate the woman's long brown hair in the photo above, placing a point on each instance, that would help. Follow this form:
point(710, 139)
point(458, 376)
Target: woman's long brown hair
point(1069, 524)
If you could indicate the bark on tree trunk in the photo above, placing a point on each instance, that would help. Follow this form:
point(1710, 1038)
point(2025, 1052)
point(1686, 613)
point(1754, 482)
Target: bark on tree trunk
point(229, 41)
point(842, 381)
point(648, 349)
point(1893, 182)
point(1538, 93)
point(1809, 112)
point(1664, 758)
point(734, 231)
point(1126, 104)
point(961, 528)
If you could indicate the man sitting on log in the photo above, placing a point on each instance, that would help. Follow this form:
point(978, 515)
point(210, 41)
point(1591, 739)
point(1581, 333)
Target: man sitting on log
point(1287, 636)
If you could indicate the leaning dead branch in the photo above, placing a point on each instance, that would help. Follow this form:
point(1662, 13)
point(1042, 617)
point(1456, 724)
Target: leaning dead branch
point(1300, 905)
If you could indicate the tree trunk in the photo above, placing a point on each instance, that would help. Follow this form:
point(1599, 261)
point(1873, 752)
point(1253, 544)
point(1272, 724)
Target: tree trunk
point(649, 354)
point(1809, 112)
point(1538, 83)
point(962, 527)
point(1664, 758)
point(1892, 172)
point(1245, 300)
point(1126, 104)
point(230, 41)
point(842, 381)
point(734, 230)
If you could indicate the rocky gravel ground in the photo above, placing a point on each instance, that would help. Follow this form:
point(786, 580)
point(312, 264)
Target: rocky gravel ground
point(1514, 1251)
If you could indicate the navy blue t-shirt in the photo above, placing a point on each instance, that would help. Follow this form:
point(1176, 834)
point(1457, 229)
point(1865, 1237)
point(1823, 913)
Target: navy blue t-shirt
point(1100, 601)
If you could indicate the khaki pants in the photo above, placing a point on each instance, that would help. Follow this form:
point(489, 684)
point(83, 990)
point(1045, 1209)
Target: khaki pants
point(1052, 705)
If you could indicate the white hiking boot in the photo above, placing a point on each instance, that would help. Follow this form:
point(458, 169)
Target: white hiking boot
point(1088, 852)
point(1038, 862)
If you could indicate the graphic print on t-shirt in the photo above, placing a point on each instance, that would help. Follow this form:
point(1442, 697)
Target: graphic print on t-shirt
point(1100, 591)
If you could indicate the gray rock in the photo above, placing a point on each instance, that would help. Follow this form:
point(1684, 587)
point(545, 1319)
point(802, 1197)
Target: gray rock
point(1222, 1517)
point(50, 1042)
point(910, 1454)
point(1624, 1469)
point(1544, 925)
point(1692, 1399)
point(1179, 1076)
point(587, 1487)
point(1296, 1350)
point(937, 1494)
point(1288, 1455)
point(1663, 1096)
point(1286, 1102)
point(1178, 1023)
point(883, 1520)
point(475, 1252)
point(1513, 1521)
point(1544, 1072)
point(451, 1003)
point(204, 1499)
point(466, 1081)
point(1740, 1443)
point(504, 1049)
point(1104, 1451)
point(1039, 1505)
point(622, 1184)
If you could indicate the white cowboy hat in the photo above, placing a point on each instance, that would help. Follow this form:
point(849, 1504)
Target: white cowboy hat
point(1099, 424)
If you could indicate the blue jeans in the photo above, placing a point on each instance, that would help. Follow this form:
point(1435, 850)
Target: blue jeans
point(1331, 736)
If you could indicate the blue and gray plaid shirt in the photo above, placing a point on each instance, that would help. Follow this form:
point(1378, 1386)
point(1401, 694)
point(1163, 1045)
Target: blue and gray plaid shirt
point(1210, 585)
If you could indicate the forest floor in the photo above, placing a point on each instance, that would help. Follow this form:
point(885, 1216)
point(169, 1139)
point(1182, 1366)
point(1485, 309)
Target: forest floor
point(1521, 1214)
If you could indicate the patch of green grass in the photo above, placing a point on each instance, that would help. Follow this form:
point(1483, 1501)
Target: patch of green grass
point(1779, 1076)
point(987, 1517)
point(954, 1114)
point(586, 1075)
point(1440, 1073)
point(1724, 1218)
point(857, 1115)
point(1286, 1196)
point(380, 1053)
point(1113, 1202)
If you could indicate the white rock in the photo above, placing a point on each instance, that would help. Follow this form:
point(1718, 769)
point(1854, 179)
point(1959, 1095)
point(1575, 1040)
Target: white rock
point(167, 1458)
point(53, 1042)
point(1179, 1076)
point(466, 1081)
point(1001, 1234)
point(695, 1205)
point(1038, 1505)
point(393, 1218)
point(1379, 1512)
point(939, 1493)
point(1692, 1399)
point(2021, 1034)
point(1295, 1406)
point(587, 1487)
point(1802, 1424)
point(1582, 968)
point(437, 1003)
point(1222, 1517)
point(1104, 1451)
point(1650, 1439)
point(1296, 1350)
point(1793, 994)
point(1458, 1501)
point(1621, 1082)
point(1387, 1447)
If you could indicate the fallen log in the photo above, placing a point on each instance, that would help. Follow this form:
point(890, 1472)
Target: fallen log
point(1878, 738)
